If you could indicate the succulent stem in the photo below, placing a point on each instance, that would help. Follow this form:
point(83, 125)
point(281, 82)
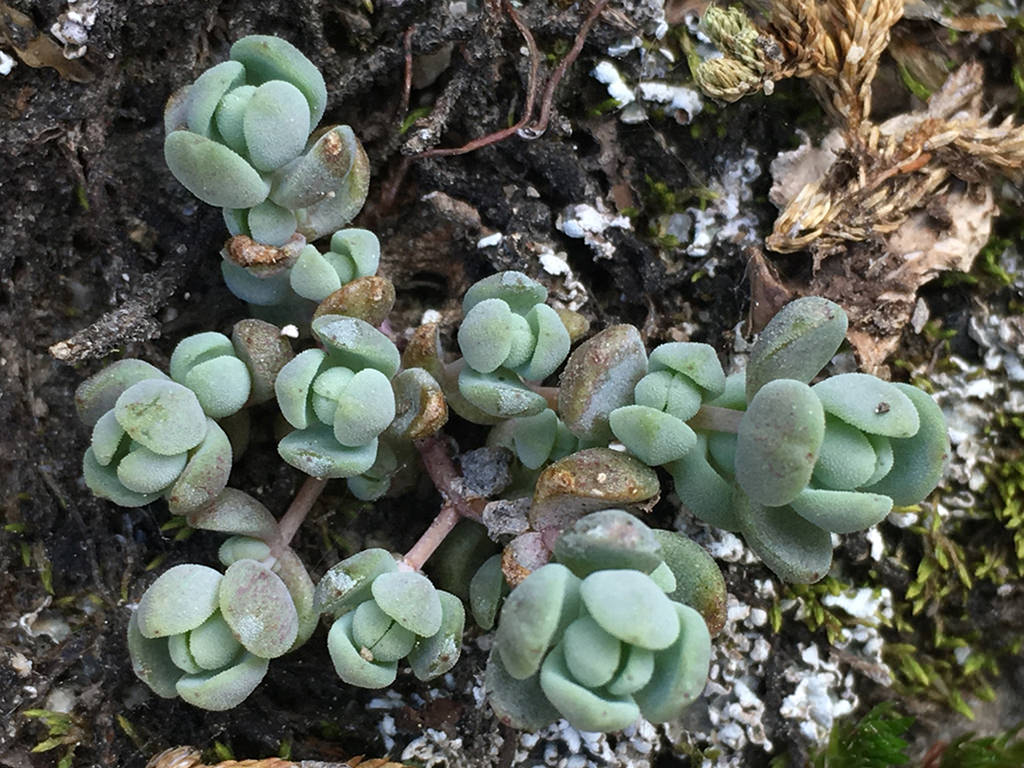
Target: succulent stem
point(716, 419)
point(548, 393)
point(289, 523)
point(459, 504)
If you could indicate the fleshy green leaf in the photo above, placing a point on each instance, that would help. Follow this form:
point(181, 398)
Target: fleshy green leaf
point(697, 362)
point(485, 592)
point(778, 442)
point(212, 172)
point(218, 691)
point(841, 511)
point(533, 616)
point(275, 125)
point(485, 337)
point(319, 173)
point(265, 351)
point(348, 583)
point(212, 644)
point(356, 344)
point(551, 346)
point(378, 633)
point(151, 661)
point(500, 393)
point(680, 671)
point(797, 343)
point(635, 673)
point(846, 459)
point(230, 117)
point(517, 703)
point(179, 600)
point(235, 512)
point(207, 91)
point(365, 408)
point(591, 654)
point(257, 606)
point(103, 481)
point(869, 404)
point(313, 277)
point(517, 290)
point(796, 550)
point(410, 599)
point(654, 437)
point(206, 474)
point(98, 394)
point(271, 224)
point(350, 665)
point(316, 452)
point(699, 581)
point(361, 246)
point(702, 490)
point(293, 384)
point(583, 708)
point(433, 656)
point(143, 471)
point(163, 416)
point(222, 385)
point(107, 436)
point(606, 540)
point(631, 607)
point(919, 461)
point(270, 58)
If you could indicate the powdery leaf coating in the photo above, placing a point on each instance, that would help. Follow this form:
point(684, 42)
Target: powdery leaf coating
point(361, 246)
point(265, 351)
point(378, 633)
point(583, 708)
point(484, 336)
point(340, 207)
point(275, 125)
point(356, 344)
point(271, 58)
point(316, 452)
point(722, 452)
point(235, 512)
point(869, 404)
point(151, 661)
point(697, 362)
point(588, 480)
point(699, 582)
point(350, 665)
point(176, 109)
point(293, 383)
point(884, 458)
point(702, 490)
point(164, 416)
point(104, 483)
point(296, 579)
point(257, 606)
point(212, 172)
point(433, 656)
point(846, 459)
point(631, 607)
point(919, 461)
point(410, 599)
point(635, 673)
point(328, 386)
point(517, 290)
point(349, 583)
point(796, 550)
point(551, 345)
point(206, 474)
point(98, 394)
point(270, 224)
point(516, 703)
point(523, 342)
point(500, 394)
point(841, 511)
point(485, 591)
point(598, 378)
point(670, 392)
point(653, 436)
point(219, 691)
point(212, 644)
point(313, 277)
point(797, 343)
point(778, 441)
point(230, 118)
point(207, 91)
point(607, 540)
point(365, 408)
point(680, 671)
point(179, 600)
point(534, 615)
point(143, 471)
point(591, 654)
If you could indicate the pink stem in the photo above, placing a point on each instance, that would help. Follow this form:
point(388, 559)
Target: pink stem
point(717, 419)
point(289, 523)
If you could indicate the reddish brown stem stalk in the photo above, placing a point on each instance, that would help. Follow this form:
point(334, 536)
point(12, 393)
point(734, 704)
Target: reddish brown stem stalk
point(289, 523)
point(716, 419)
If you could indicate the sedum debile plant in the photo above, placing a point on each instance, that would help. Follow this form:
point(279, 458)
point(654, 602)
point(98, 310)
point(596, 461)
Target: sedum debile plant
point(599, 618)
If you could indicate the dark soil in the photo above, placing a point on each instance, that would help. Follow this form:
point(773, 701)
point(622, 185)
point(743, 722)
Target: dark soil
point(93, 222)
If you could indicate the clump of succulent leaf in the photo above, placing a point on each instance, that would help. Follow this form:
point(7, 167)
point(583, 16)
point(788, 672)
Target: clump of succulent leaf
point(762, 452)
point(157, 435)
point(208, 636)
point(614, 628)
point(382, 612)
point(244, 137)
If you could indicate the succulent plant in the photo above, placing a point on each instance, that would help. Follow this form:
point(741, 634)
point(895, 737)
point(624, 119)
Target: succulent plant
point(243, 137)
point(208, 636)
point(339, 400)
point(595, 639)
point(383, 614)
